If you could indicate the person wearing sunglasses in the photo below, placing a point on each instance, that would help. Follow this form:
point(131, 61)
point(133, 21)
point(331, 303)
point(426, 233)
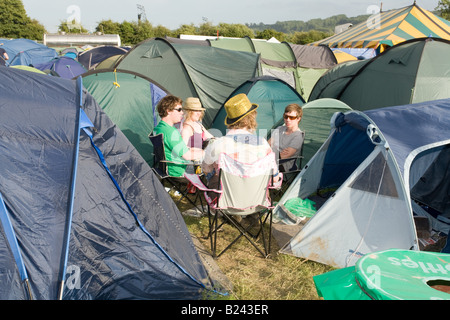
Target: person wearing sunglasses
point(170, 111)
point(287, 140)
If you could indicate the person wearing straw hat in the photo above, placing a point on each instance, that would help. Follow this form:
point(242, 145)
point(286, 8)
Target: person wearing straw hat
point(193, 132)
point(240, 142)
point(171, 112)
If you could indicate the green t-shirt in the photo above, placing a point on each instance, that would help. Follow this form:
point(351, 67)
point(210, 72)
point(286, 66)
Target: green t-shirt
point(174, 147)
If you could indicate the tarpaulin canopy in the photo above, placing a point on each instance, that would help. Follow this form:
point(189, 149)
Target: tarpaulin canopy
point(389, 28)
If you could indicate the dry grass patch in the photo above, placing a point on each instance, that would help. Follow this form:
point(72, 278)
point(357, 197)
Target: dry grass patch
point(278, 277)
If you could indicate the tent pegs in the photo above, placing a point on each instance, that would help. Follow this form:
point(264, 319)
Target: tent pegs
point(27, 283)
point(61, 289)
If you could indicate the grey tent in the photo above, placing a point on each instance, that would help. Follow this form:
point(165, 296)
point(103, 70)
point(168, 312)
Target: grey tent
point(82, 216)
point(298, 65)
point(375, 169)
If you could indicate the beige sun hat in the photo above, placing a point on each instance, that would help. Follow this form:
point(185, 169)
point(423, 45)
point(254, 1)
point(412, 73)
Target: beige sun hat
point(238, 107)
point(194, 104)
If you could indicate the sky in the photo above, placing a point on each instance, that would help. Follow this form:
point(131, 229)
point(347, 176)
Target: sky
point(174, 13)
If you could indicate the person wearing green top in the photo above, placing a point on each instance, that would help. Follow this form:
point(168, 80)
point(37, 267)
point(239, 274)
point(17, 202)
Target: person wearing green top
point(171, 112)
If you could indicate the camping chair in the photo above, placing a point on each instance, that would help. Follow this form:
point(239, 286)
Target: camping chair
point(241, 200)
point(161, 169)
point(290, 167)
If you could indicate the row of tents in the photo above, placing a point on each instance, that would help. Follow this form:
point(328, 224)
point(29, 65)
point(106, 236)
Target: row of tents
point(384, 158)
point(69, 63)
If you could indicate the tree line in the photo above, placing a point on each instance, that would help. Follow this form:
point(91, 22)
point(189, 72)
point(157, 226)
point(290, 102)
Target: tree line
point(15, 23)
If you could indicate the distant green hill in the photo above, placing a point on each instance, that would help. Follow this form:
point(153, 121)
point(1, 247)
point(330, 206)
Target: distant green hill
point(324, 25)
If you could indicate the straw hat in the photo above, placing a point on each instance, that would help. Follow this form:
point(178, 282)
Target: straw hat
point(193, 104)
point(238, 107)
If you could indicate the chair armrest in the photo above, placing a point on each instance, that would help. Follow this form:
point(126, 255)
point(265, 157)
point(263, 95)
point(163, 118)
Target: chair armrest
point(175, 162)
point(198, 183)
point(280, 161)
point(296, 163)
point(277, 185)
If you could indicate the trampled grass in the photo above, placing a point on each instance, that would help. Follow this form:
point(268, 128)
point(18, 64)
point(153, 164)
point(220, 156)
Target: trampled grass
point(278, 277)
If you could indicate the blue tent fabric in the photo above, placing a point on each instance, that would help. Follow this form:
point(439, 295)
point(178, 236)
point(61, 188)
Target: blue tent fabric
point(360, 53)
point(127, 239)
point(26, 52)
point(430, 118)
point(65, 67)
point(90, 58)
point(33, 56)
point(157, 94)
point(352, 138)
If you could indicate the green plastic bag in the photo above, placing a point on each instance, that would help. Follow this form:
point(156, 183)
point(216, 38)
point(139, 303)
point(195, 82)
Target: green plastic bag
point(301, 207)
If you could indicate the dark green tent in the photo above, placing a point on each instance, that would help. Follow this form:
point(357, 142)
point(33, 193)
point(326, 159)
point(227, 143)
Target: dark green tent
point(186, 70)
point(316, 124)
point(129, 99)
point(413, 71)
point(271, 94)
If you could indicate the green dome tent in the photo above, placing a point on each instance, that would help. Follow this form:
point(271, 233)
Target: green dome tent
point(129, 99)
point(315, 124)
point(271, 94)
point(413, 71)
point(185, 70)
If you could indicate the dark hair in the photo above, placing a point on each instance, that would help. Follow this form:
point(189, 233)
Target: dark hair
point(168, 103)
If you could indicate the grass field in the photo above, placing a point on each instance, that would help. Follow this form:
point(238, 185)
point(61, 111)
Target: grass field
point(278, 277)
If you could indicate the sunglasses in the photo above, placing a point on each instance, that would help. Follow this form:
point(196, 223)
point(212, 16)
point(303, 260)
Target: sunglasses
point(290, 117)
point(178, 109)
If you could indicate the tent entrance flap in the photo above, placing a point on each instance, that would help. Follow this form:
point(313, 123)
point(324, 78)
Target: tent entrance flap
point(433, 188)
point(348, 148)
point(14, 245)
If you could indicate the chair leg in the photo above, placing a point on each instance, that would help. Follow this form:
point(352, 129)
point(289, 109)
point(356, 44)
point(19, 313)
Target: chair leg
point(243, 231)
point(185, 194)
point(213, 229)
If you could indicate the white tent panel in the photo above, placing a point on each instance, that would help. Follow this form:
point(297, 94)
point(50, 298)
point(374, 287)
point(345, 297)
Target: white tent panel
point(340, 235)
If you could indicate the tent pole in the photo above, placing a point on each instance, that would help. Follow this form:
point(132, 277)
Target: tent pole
point(61, 289)
point(27, 283)
point(65, 256)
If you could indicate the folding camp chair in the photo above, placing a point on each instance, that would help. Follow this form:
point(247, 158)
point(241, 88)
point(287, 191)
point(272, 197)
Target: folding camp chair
point(160, 167)
point(241, 198)
point(290, 167)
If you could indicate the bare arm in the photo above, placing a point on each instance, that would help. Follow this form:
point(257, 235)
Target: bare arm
point(287, 153)
point(193, 154)
point(186, 133)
